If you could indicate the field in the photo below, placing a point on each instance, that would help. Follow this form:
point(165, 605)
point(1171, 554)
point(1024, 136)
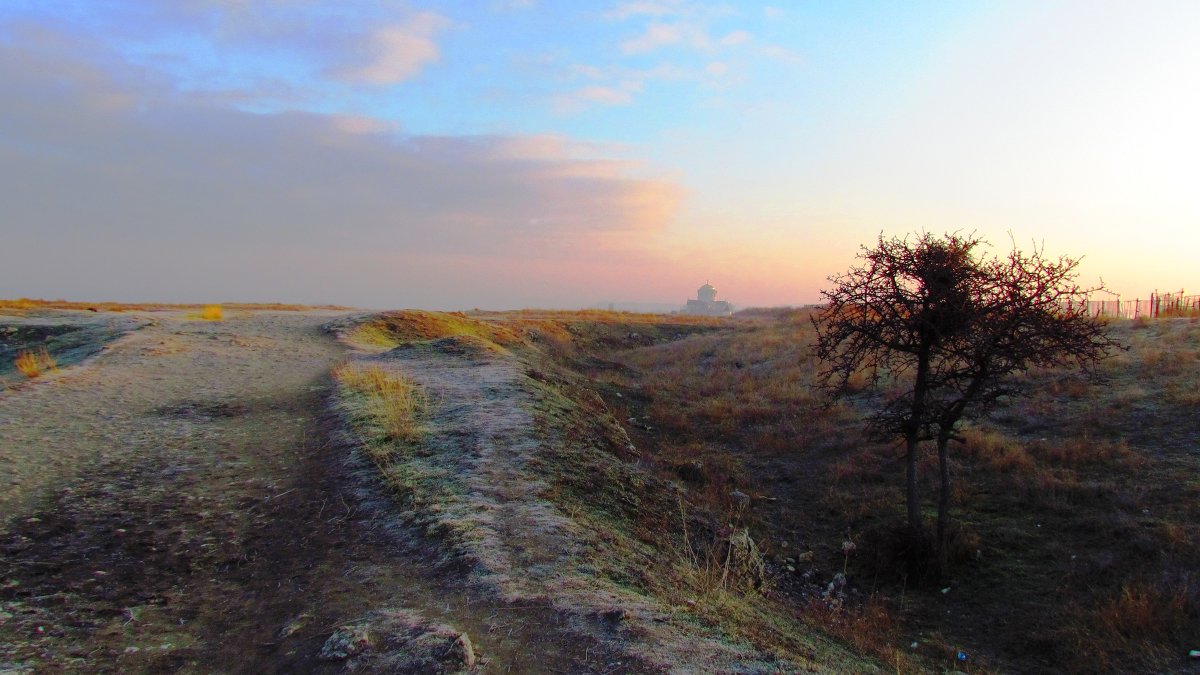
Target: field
point(574, 491)
point(1077, 545)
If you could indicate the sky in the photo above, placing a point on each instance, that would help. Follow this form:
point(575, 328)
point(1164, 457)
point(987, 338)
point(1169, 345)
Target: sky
point(503, 154)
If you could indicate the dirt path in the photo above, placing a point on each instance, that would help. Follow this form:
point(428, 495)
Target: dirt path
point(175, 505)
point(152, 495)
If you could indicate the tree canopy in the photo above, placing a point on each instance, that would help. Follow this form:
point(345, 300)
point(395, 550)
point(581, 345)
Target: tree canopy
point(947, 327)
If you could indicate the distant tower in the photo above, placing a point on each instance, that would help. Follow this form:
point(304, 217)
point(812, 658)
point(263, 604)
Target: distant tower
point(706, 303)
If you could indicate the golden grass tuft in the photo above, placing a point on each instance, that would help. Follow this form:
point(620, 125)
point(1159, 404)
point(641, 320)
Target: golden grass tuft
point(212, 313)
point(33, 363)
point(390, 399)
point(998, 451)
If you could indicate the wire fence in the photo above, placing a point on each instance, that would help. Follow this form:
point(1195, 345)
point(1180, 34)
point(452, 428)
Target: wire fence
point(1157, 305)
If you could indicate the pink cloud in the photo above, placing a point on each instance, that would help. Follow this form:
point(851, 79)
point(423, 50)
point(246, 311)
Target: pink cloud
point(399, 52)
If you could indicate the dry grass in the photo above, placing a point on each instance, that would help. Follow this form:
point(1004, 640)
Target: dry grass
point(1076, 503)
point(705, 566)
point(33, 363)
point(390, 399)
point(1136, 621)
point(392, 329)
point(1047, 492)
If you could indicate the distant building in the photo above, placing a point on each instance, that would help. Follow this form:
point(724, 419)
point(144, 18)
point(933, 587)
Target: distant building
point(706, 303)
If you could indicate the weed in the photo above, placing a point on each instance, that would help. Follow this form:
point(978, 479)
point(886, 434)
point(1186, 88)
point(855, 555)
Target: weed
point(33, 363)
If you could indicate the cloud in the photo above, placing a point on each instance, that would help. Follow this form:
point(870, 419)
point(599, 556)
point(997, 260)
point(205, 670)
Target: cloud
point(734, 38)
point(615, 86)
point(398, 52)
point(783, 54)
point(659, 35)
point(656, 36)
point(513, 5)
point(162, 193)
point(586, 97)
point(605, 95)
point(627, 10)
point(716, 69)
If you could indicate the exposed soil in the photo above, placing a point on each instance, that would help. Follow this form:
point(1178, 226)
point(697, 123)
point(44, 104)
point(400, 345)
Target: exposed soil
point(175, 504)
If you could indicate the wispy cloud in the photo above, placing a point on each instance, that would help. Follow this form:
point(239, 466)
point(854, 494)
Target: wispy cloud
point(616, 85)
point(676, 24)
point(398, 52)
point(626, 10)
point(513, 5)
point(580, 98)
point(658, 35)
point(734, 38)
point(781, 53)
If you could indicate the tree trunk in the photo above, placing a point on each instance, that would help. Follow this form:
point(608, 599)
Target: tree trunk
point(913, 445)
point(912, 438)
point(943, 516)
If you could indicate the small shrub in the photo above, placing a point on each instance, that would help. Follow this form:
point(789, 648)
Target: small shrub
point(32, 364)
point(212, 313)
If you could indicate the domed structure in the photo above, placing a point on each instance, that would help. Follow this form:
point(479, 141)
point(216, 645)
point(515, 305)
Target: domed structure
point(706, 303)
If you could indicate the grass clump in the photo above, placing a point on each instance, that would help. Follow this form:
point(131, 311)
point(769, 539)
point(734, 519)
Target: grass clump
point(212, 313)
point(33, 363)
point(390, 400)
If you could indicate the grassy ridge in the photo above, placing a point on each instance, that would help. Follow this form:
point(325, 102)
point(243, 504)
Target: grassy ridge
point(681, 571)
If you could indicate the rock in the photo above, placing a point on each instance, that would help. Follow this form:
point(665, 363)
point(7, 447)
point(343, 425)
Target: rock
point(400, 641)
point(614, 616)
point(692, 472)
point(807, 556)
point(346, 641)
point(466, 649)
point(836, 586)
point(292, 626)
point(747, 562)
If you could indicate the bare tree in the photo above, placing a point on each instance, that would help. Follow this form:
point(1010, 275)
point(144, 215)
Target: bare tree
point(950, 328)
